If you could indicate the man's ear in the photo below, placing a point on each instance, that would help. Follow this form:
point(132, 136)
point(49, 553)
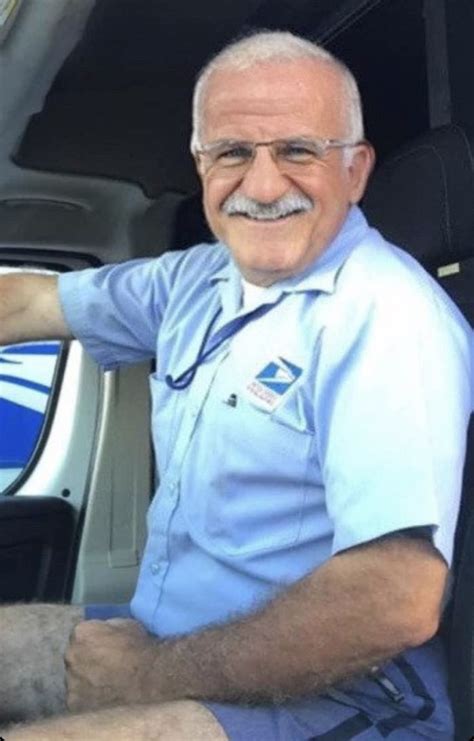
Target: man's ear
point(360, 167)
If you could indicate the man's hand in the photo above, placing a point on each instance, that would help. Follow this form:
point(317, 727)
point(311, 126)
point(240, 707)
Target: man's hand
point(106, 663)
point(360, 608)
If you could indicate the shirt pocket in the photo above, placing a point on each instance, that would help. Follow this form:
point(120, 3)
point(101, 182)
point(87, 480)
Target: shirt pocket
point(296, 413)
point(257, 480)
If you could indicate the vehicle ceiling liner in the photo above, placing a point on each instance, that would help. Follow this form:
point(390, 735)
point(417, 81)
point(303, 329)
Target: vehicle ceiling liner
point(120, 106)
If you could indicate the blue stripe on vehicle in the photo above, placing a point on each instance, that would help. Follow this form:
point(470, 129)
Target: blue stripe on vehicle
point(25, 383)
point(24, 426)
point(37, 349)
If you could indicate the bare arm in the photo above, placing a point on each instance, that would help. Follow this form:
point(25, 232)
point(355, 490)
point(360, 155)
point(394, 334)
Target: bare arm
point(357, 610)
point(30, 309)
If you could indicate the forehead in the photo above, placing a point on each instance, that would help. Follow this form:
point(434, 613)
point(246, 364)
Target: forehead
point(274, 99)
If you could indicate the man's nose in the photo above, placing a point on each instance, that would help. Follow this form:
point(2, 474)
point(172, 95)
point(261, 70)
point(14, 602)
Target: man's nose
point(263, 181)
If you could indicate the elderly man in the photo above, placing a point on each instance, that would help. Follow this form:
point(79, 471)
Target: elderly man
point(310, 407)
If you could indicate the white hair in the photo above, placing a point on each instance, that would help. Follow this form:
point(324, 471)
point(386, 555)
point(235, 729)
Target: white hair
point(274, 46)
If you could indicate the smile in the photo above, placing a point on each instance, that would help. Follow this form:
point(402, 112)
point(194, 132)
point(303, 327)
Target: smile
point(267, 217)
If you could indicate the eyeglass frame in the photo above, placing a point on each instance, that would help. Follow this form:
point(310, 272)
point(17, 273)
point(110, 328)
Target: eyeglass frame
point(326, 145)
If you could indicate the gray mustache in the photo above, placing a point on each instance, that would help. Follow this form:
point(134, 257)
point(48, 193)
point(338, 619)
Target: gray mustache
point(237, 204)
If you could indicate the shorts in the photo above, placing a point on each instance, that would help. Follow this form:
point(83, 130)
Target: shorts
point(408, 701)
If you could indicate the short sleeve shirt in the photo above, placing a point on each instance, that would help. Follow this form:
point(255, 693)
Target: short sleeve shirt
point(334, 415)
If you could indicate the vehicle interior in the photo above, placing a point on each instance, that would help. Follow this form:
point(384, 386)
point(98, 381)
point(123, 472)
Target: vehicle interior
point(95, 168)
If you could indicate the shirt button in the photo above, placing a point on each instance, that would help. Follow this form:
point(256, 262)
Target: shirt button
point(155, 568)
point(172, 487)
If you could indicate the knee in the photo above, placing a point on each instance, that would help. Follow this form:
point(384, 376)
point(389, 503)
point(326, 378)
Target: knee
point(33, 640)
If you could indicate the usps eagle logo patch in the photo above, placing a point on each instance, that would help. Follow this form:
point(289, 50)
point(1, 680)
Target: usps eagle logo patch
point(267, 390)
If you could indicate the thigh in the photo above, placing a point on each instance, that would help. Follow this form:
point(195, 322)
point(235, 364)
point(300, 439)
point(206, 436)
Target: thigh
point(173, 721)
point(320, 719)
point(362, 709)
point(365, 715)
point(326, 721)
point(33, 640)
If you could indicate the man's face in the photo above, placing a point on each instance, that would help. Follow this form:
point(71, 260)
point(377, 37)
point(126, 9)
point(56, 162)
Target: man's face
point(269, 101)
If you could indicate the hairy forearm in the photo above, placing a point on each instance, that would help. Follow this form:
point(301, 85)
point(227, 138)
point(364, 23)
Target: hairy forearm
point(29, 308)
point(334, 624)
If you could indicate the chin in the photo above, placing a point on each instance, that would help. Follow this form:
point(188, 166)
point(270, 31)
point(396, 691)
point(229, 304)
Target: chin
point(279, 269)
point(270, 254)
point(263, 259)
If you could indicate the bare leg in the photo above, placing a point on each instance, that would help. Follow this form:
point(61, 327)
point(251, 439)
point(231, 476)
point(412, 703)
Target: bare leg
point(172, 721)
point(33, 639)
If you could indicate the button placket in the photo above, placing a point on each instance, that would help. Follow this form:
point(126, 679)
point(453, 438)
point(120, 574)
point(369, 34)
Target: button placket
point(195, 402)
point(170, 485)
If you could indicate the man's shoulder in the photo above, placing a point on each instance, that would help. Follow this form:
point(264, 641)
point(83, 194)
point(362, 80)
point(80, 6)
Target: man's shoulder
point(378, 269)
point(381, 281)
point(378, 258)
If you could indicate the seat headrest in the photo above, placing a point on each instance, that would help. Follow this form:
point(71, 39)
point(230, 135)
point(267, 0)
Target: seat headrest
point(172, 222)
point(422, 196)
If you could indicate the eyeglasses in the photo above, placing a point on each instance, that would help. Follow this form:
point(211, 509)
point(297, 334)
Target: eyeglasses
point(232, 157)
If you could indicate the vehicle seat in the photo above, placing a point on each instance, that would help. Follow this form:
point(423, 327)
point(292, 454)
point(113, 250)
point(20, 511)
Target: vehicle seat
point(173, 222)
point(422, 198)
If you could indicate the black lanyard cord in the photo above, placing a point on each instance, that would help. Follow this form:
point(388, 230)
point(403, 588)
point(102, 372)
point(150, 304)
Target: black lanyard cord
point(187, 376)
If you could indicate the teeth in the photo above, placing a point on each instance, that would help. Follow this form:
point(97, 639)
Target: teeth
point(263, 217)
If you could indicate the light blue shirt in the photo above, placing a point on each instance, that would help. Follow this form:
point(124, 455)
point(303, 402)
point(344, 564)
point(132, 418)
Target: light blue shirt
point(337, 416)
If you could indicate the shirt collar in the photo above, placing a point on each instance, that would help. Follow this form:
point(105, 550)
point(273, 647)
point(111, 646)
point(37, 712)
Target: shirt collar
point(321, 275)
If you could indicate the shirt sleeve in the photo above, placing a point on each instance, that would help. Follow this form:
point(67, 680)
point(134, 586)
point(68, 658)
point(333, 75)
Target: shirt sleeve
point(116, 311)
point(393, 402)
